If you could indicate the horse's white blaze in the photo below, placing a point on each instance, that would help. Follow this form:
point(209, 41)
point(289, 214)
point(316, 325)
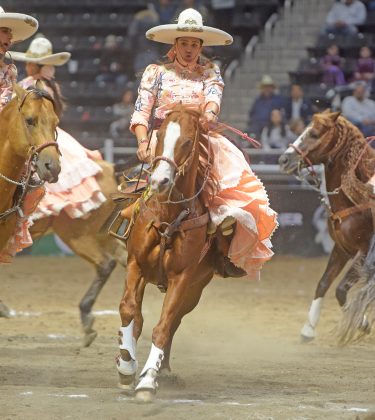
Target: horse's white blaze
point(165, 170)
point(298, 141)
point(308, 330)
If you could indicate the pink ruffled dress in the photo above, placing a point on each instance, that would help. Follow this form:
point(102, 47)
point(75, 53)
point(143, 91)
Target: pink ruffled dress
point(241, 195)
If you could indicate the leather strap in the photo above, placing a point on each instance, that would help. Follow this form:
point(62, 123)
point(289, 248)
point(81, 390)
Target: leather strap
point(342, 214)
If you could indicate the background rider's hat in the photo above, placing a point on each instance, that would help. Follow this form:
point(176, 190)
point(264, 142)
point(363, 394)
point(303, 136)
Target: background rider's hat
point(22, 26)
point(40, 52)
point(189, 24)
point(267, 81)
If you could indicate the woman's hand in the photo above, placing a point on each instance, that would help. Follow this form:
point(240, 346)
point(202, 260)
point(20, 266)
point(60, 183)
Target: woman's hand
point(209, 118)
point(144, 152)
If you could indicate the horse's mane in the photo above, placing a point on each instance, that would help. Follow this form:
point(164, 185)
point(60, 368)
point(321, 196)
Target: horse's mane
point(41, 93)
point(358, 159)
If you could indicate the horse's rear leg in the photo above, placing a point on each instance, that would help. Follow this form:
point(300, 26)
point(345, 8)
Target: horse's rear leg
point(336, 263)
point(132, 323)
point(103, 271)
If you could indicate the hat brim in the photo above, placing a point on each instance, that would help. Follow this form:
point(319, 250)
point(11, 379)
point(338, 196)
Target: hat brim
point(22, 26)
point(57, 59)
point(167, 34)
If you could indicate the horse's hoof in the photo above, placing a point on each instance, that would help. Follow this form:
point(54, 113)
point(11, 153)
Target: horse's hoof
point(145, 395)
point(126, 382)
point(89, 337)
point(87, 322)
point(4, 311)
point(307, 333)
point(305, 339)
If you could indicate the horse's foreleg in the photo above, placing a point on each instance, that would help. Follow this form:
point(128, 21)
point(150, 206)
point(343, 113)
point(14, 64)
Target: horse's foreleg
point(336, 263)
point(103, 271)
point(132, 322)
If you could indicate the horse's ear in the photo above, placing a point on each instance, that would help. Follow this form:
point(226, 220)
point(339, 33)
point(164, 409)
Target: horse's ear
point(20, 93)
point(334, 115)
point(39, 85)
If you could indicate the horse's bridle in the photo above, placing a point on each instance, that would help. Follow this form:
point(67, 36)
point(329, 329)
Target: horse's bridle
point(31, 161)
point(181, 169)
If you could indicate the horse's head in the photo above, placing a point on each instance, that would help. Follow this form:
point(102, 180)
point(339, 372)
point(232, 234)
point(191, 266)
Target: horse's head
point(29, 125)
point(178, 138)
point(313, 145)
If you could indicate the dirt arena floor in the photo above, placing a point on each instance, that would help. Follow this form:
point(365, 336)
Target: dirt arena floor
point(237, 356)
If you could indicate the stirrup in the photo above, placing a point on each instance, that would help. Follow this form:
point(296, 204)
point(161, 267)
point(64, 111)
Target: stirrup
point(227, 225)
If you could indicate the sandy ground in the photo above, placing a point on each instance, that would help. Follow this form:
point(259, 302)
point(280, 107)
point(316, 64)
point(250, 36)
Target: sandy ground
point(237, 356)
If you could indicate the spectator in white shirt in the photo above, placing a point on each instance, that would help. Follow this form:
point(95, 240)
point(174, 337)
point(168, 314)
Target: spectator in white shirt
point(360, 110)
point(344, 17)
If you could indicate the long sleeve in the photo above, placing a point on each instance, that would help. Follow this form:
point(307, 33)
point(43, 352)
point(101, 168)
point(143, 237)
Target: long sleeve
point(147, 94)
point(8, 77)
point(213, 86)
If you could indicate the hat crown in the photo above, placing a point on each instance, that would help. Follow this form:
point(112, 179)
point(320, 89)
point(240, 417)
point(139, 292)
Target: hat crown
point(190, 18)
point(39, 47)
point(2, 10)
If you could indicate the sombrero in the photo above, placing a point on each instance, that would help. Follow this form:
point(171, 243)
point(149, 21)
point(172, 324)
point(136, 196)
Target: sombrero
point(22, 26)
point(189, 23)
point(40, 52)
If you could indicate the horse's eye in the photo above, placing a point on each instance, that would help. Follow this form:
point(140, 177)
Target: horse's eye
point(314, 135)
point(30, 122)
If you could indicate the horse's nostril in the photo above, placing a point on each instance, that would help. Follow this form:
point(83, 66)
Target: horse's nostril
point(48, 166)
point(283, 159)
point(164, 181)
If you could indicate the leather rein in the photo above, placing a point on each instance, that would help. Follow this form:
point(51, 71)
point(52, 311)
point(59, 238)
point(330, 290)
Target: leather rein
point(30, 163)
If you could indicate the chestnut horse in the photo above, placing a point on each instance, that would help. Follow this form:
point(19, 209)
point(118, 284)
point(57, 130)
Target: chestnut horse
point(349, 163)
point(27, 145)
point(167, 245)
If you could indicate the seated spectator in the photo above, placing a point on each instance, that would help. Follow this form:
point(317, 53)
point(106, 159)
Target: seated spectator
point(146, 51)
point(122, 111)
point(260, 112)
point(166, 11)
point(344, 17)
point(365, 67)
point(297, 127)
point(297, 106)
point(113, 62)
point(331, 65)
point(360, 110)
point(276, 134)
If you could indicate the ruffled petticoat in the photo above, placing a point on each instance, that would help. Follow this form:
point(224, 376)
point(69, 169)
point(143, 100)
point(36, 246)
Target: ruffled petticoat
point(77, 192)
point(241, 195)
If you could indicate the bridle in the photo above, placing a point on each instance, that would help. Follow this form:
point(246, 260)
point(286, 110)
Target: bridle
point(184, 167)
point(32, 158)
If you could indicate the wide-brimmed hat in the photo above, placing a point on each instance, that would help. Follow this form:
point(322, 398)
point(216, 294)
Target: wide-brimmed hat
point(22, 26)
point(189, 24)
point(267, 81)
point(40, 52)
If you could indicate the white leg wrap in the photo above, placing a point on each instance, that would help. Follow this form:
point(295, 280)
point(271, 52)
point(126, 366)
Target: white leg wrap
point(314, 312)
point(127, 340)
point(154, 360)
point(127, 368)
point(308, 330)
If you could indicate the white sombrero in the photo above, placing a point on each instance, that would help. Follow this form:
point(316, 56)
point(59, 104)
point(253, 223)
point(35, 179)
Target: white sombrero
point(22, 26)
point(190, 23)
point(40, 52)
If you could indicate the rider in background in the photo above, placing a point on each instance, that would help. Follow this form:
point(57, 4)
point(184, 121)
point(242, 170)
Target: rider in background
point(241, 207)
point(76, 192)
point(14, 27)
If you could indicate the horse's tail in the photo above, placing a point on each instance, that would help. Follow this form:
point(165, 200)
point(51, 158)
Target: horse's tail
point(359, 311)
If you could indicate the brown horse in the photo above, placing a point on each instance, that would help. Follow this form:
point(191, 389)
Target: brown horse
point(349, 163)
point(27, 144)
point(167, 245)
point(87, 239)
